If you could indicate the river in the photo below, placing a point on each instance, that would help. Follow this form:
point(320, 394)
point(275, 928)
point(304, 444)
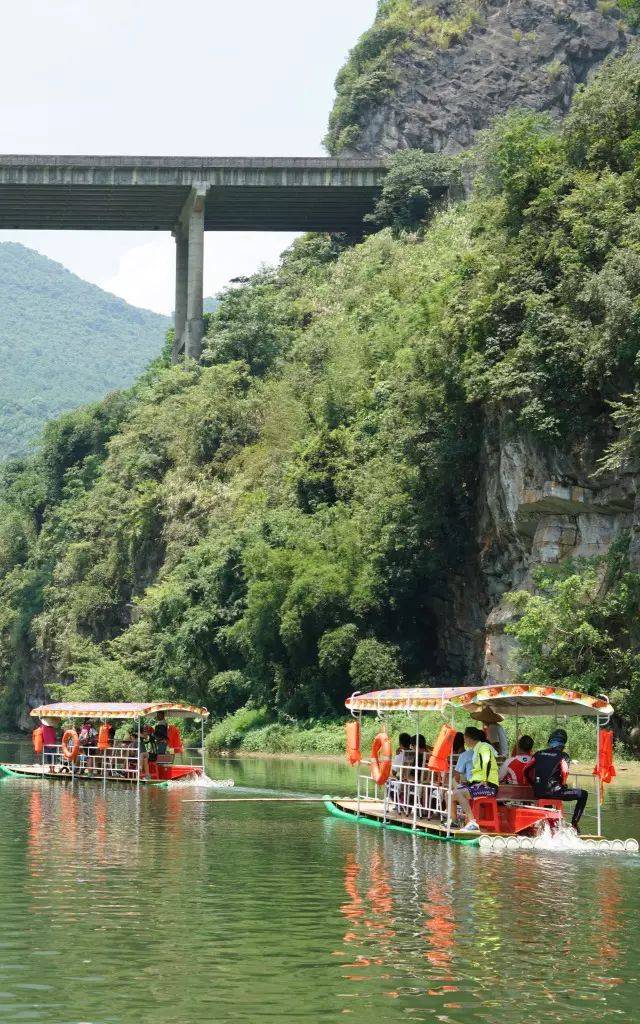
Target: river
point(121, 907)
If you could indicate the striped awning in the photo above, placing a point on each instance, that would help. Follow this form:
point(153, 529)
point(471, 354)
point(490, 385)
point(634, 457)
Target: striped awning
point(106, 710)
point(514, 699)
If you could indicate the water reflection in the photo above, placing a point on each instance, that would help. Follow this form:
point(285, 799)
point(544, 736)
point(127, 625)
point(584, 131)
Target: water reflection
point(125, 906)
point(449, 931)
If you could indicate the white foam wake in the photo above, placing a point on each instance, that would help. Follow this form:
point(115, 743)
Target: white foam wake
point(560, 840)
point(202, 782)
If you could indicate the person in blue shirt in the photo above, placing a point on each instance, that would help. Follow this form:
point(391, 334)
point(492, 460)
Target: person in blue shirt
point(462, 769)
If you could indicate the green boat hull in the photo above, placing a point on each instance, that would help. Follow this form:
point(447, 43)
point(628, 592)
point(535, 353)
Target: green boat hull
point(362, 819)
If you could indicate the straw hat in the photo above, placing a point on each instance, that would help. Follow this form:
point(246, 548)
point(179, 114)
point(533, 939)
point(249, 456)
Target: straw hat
point(487, 716)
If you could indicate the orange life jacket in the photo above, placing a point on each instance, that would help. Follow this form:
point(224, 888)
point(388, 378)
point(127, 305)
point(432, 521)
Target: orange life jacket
point(174, 739)
point(354, 756)
point(442, 750)
point(103, 737)
point(37, 740)
point(605, 769)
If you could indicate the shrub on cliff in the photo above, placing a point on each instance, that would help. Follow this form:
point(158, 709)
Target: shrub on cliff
point(580, 630)
point(411, 189)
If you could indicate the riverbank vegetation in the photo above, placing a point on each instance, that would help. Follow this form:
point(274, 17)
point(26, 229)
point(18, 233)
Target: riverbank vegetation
point(278, 524)
point(256, 731)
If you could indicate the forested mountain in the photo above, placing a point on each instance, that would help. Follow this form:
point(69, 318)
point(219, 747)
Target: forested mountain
point(63, 342)
point(383, 443)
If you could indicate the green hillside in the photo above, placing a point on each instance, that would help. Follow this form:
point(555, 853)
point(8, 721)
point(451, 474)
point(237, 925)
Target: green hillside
point(63, 342)
point(283, 524)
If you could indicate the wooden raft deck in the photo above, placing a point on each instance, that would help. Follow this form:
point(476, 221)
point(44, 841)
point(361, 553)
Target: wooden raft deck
point(373, 810)
point(38, 771)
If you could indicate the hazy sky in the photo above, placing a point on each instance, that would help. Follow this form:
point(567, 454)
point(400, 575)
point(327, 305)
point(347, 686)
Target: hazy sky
point(147, 77)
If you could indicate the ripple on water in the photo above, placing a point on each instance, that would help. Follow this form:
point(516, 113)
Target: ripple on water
point(126, 908)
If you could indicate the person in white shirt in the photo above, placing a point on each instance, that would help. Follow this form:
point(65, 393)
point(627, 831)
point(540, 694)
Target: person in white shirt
point(512, 772)
point(402, 758)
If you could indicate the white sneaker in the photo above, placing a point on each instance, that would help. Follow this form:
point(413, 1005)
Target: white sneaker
point(471, 826)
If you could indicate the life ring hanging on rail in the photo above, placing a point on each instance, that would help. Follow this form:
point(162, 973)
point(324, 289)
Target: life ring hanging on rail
point(354, 755)
point(70, 753)
point(381, 759)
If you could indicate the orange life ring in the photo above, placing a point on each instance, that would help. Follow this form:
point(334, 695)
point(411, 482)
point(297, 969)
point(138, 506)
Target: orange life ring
point(381, 758)
point(442, 750)
point(70, 753)
point(37, 740)
point(354, 756)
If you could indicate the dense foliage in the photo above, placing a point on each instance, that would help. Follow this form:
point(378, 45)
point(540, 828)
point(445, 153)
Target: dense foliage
point(63, 342)
point(582, 629)
point(281, 523)
point(412, 189)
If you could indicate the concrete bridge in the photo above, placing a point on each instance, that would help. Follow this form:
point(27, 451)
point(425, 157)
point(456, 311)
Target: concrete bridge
point(187, 196)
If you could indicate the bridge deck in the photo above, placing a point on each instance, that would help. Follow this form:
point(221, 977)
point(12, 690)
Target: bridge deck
point(148, 193)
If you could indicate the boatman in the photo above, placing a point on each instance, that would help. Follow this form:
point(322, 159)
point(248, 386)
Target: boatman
point(483, 777)
point(549, 772)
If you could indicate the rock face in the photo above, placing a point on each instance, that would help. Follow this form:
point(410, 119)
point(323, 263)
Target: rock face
point(538, 508)
point(534, 508)
point(522, 53)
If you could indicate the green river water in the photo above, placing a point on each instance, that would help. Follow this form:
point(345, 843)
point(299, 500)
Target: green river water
point(121, 907)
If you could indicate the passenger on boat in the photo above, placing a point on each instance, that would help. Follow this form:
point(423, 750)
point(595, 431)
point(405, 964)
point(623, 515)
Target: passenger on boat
point(50, 742)
point(513, 769)
point(131, 742)
point(87, 738)
point(148, 750)
point(402, 754)
point(161, 733)
point(548, 774)
point(483, 780)
point(495, 734)
point(462, 769)
point(397, 788)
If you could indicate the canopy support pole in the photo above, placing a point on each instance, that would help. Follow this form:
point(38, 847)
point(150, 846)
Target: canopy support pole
point(450, 794)
point(416, 794)
point(386, 784)
point(358, 772)
point(598, 780)
point(104, 764)
point(139, 761)
point(202, 742)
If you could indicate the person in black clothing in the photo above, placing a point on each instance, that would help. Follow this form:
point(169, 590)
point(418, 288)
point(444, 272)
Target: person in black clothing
point(548, 774)
point(161, 733)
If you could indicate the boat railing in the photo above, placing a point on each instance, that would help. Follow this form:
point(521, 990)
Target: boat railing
point(118, 761)
point(414, 791)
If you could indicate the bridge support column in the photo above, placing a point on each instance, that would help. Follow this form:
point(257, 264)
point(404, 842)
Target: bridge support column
point(189, 236)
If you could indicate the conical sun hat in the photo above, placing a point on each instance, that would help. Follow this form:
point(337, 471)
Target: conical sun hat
point(487, 716)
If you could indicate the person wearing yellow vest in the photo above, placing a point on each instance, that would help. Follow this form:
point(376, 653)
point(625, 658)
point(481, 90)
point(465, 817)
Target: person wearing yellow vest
point(483, 777)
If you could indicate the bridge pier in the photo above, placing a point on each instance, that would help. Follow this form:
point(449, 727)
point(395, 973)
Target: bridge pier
point(189, 236)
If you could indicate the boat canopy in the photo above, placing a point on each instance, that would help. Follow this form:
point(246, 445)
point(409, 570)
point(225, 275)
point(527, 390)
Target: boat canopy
point(515, 699)
point(105, 710)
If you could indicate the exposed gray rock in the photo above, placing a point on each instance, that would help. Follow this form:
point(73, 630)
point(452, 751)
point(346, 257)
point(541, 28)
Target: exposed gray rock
point(538, 508)
point(523, 53)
